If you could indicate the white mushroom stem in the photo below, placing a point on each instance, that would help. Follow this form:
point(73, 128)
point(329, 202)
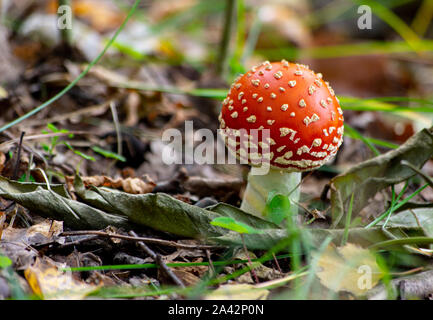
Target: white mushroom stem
point(259, 186)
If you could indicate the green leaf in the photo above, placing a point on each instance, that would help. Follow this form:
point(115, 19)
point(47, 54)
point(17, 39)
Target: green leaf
point(108, 154)
point(421, 217)
point(5, 262)
point(52, 127)
point(232, 224)
point(277, 207)
point(81, 154)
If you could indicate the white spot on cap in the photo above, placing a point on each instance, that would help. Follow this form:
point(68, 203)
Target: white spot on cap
point(244, 101)
point(298, 73)
point(292, 83)
point(332, 115)
point(284, 107)
point(266, 85)
point(271, 122)
point(292, 114)
point(271, 141)
point(255, 95)
point(323, 103)
point(279, 149)
point(285, 131)
point(303, 149)
point(245, 109)
point(281, 89)
point(308, 120)
point(284, 159)
point(311, 90)
point(240, 95)
point(269, 109)
point(273, 95)
point(260, 99)
point(278, 75)
point(252, 119)
point(318, 83)
point(234, 115)
point(302, 103)
point(317, 142)
point(255, 82)
point(238, 85)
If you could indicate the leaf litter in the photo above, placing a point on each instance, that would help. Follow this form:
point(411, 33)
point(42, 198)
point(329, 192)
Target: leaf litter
point(45, 204)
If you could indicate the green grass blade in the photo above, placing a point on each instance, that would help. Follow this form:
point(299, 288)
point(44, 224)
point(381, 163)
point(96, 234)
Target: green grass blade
point(73, 83)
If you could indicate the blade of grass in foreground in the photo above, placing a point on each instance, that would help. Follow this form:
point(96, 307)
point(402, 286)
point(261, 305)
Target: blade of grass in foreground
point(351, 132)
point(346, 50)
point(80, 76)
point(393, 208)
point(394, 21)
point(180, 264)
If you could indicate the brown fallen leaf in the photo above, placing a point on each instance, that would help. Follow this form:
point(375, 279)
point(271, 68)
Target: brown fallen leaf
point(188, 275)
point(129, 185)
point(39, 233)
point(47, 281)
point(2, 161)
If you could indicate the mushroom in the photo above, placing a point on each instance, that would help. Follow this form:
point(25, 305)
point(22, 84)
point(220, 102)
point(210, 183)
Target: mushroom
point(298, 126)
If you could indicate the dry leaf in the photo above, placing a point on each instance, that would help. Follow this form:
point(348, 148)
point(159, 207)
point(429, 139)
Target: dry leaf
point(48, 282)
point(129, 185)
point(349, 268)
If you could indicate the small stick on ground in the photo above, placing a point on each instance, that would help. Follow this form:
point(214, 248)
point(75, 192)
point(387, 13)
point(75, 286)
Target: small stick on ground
point(249, 260)
point(17, 161)
point(276, 262)
point(212, 268)
point(158, 260)
point(166, 243)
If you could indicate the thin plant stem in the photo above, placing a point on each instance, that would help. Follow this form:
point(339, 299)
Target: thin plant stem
point(225, 39)
point(249, 259)
point(65, 33)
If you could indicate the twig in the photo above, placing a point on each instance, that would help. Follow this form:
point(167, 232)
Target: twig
point(249, 260)
point(225, 40)
point(276, 262)
point(79, 241)
point(158, 260)
point(212, 268)
point(17, 161)
point(143, 239)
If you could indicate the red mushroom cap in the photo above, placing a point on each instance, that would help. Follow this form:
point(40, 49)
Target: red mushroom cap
point(300, 110)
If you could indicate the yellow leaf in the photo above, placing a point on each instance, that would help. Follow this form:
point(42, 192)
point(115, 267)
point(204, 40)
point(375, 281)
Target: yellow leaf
point(48, 282)
point(349, 268)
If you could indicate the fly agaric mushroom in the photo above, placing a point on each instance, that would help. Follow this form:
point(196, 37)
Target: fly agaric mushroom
point(304, 122)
